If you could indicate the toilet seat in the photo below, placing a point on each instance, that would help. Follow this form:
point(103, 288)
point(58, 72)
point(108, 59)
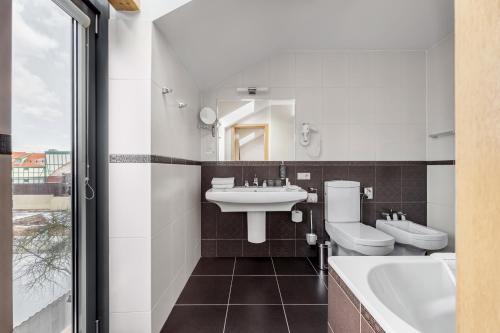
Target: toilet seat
point(410, 233)
point(359, 237)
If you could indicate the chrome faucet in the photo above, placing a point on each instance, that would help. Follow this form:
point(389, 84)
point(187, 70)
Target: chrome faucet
point(255, 181)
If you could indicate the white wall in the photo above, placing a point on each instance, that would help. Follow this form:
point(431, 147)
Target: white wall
point(175, 189)
point(154, 208)
point(440, 117)
point(369, 105)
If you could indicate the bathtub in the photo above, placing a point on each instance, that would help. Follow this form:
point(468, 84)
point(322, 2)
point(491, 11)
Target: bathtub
point(403, 294)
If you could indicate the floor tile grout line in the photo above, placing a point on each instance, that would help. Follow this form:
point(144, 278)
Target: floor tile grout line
point(281, 297)
point(229, 296)
point(215, 275)
point(253, 304)
point(314, 268)
point(326, 286)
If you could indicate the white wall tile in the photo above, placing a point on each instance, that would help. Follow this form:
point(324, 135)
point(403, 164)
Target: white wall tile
point(359, 89)
point(441, 107)
point(362, 143)
point(308, 105)
point(442, 148)
point(335, 70)
point(413, 105)
point(129, 322)
point(165, 187)
point(129, 117)
point(129, 275)
point(129, 199)
point(174, 131)
point(361, 105)
point(441, 184)
point(308, 67)
point(388, 105)
point(360, 69)
point(335, 105)
point(129, 49)
point(256, 75)
point(386, 68)
point(167, 300)
point(442, 217)
point(335, 142)
point(389, 141)
point(282, 70)
point(282, 93)
point(413, 70)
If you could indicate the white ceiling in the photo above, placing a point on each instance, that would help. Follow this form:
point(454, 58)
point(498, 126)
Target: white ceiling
point(217, 38)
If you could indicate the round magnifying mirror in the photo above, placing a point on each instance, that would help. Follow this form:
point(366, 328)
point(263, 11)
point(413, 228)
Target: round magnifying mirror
point(208, 116)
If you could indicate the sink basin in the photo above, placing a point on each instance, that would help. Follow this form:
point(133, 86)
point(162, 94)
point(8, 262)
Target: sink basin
point(256, 201)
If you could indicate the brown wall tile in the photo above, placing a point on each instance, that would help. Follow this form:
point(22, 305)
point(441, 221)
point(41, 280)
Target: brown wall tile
point(397, 185)
point(256, 250)
point(414, 183)
point(229, 248)
point(388, 184)
point(282, 248)
point(208, 248)
point(209, 220)
point(342, 314)
point(416, 212)
point(363, 174)
point(365, 327)
point(335, 172)
point(230, 225)
point(280, 225)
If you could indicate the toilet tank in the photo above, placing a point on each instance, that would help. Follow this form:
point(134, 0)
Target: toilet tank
point(342, 201)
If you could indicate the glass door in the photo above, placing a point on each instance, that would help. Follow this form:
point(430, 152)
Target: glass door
point(50, 166)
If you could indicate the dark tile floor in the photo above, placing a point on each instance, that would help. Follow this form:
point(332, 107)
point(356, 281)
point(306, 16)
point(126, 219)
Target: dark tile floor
point(254, 295)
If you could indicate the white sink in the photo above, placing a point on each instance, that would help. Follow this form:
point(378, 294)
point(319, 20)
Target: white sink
point(256, 201)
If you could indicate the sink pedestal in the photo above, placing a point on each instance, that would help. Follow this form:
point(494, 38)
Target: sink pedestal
point(256, 225)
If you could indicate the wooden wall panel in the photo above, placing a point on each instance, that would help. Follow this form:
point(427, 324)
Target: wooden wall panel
point(478, 164)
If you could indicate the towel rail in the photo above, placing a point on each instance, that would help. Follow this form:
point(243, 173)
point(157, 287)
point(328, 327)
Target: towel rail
point(442, 134)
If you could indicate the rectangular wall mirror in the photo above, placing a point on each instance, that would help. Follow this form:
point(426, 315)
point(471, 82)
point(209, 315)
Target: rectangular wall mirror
point(256, 130)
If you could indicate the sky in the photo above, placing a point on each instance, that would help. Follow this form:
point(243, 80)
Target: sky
point(41, 79)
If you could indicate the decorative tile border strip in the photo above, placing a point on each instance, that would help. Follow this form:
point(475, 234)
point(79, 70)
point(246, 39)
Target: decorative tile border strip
point(325, 163)
point(370, 320)
point(446, 162)
point(5, 144)
point(312, 163)
point(156, 159)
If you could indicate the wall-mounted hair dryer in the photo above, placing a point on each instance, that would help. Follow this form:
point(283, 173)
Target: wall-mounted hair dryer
point(305, 137)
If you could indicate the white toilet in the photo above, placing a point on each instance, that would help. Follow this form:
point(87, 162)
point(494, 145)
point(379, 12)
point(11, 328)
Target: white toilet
point(413, 239)
point(342, 222)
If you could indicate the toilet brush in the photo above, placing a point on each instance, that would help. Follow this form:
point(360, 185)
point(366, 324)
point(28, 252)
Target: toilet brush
point(311, 237)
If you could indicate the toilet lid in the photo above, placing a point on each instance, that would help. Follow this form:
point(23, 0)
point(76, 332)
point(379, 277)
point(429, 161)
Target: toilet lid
point(362, 234)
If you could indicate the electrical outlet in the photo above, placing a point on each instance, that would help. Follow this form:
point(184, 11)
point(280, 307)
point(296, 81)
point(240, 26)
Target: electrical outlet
point(303, 176)
point(368, 193)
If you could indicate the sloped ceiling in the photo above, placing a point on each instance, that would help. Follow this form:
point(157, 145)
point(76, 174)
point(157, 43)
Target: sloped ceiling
point(217, 38)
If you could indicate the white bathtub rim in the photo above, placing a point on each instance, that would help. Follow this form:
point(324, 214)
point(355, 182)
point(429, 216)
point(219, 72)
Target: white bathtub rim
point(359, 285)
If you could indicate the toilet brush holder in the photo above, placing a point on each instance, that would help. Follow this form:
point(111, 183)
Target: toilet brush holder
point(311, 238)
